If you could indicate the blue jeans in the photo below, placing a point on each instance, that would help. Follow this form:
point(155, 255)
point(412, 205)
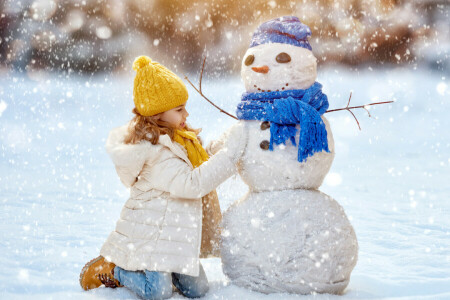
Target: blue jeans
point(158, 285)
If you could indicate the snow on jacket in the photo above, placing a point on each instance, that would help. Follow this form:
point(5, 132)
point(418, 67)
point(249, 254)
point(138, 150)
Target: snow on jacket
point(160, 226)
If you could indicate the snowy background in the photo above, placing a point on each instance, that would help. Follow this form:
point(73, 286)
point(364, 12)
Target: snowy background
point(90, 36)
point(61, 197)
point(59, 191)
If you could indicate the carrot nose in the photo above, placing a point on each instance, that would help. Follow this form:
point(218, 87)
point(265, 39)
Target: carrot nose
point(263, 69)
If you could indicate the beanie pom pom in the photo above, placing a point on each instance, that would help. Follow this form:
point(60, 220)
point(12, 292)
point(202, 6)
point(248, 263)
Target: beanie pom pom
point(141, 62)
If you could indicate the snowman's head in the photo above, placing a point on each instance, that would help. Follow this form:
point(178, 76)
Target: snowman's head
point(278, 67)
point(279, 57)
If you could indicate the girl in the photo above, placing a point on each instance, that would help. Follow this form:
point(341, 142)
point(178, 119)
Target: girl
point(171, 218)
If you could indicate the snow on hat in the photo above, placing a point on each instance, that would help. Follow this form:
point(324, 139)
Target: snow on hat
point(284, 30)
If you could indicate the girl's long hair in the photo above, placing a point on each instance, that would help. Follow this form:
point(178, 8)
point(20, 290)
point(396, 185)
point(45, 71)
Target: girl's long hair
point(149, 129)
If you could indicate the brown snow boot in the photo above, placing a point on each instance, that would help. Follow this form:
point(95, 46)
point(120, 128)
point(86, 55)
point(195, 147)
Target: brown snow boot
point(97, 272)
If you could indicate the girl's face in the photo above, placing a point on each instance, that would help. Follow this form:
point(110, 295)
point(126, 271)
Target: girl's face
point(176, 117)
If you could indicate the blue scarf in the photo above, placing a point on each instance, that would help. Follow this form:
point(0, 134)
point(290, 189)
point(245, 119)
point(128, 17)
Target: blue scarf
point(284, 110)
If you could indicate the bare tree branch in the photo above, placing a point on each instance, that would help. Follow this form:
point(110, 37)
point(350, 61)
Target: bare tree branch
point(355, 119)
point(201, 75)
point(347, 108)
point(199, 90)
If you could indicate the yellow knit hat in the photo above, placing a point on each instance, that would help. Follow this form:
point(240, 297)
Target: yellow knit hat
point(156, 88)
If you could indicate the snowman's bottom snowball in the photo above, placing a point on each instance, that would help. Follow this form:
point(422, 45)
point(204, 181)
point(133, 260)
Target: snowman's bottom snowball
point(295, 241)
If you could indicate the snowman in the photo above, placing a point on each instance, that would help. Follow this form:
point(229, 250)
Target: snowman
point(285, 235)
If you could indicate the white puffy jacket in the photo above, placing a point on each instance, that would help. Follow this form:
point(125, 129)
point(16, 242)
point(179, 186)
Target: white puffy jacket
point(160, 225)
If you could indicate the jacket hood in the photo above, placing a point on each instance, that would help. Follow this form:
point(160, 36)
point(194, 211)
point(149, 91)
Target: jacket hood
point(128, 159)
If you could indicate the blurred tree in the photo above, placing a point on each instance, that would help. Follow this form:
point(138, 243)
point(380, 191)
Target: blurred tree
point(105, 35)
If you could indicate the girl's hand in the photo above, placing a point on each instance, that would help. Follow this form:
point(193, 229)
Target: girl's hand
point(235, 142)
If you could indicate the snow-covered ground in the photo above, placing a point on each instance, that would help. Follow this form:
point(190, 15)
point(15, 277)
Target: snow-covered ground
point(60, 194)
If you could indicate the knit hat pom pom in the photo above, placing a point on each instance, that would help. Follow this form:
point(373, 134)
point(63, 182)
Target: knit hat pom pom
point(140, 62)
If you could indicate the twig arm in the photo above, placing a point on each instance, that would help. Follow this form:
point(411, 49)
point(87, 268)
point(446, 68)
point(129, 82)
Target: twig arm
point(206, 98)
point(201, 75)
point(349, 108)
point(359, 106)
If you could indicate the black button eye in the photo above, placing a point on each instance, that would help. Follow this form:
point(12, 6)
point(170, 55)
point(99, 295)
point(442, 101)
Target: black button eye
point(283, 58)
point(249, 60)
